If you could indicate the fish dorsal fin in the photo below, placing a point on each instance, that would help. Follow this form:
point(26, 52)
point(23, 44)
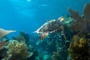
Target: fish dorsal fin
point(61, 18)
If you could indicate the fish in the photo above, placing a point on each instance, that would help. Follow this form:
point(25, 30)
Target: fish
point(2, 44)
point(5, 32)
point(61, 18)
point(50, 26)
point(42, 36)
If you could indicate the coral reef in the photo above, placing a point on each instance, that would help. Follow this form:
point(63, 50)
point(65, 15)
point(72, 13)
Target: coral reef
point(80, 24)
point(3, 50)
point(61, 54)
point(51, 42)
point(78, 49)
point(56, 56)
point(23, 37)
point(3, 54)
point(17, 50)
point(34, 55)
point(70, 42)
point(88, 44)
point(86, 13)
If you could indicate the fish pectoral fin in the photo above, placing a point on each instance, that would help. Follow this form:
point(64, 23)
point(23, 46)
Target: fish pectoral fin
point(61, 18)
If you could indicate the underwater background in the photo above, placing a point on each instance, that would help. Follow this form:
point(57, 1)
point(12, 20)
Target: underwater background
point(26, 16)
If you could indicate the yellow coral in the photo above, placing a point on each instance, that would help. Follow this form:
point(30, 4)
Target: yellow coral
point(55, 56)
point(18, 49)
point(76, 41)
point(78, 48)
point(80, 45)
point(82, 41)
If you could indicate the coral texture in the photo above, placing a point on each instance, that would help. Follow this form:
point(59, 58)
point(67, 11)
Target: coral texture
point(78, 49)
point(80, 24)
point(17, 50)
point(22, 37)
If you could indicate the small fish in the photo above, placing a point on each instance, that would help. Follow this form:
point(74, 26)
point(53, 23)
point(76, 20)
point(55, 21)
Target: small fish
point(42, 36)
point(61, 18)
point(5, 32)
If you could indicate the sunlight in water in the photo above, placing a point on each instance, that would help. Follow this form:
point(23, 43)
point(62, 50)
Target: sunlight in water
point(29, 0)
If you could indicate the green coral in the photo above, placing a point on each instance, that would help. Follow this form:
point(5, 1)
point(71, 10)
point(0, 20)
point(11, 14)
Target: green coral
point(17, 50)
point(78, 49)
point(23, 37)
point(56, 56)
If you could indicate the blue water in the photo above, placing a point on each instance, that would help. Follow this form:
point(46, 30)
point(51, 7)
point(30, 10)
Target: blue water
point(28, 15)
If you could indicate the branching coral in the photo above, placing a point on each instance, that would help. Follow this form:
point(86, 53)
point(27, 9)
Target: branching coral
point(61, 54)
point(17, 50)
point(86, 12)
point(78, 49)
point(23, 37)
point(34, 55)
point(26, 36)
point(80, 24)
point(56, 56)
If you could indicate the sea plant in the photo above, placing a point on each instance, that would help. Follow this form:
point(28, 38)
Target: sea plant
point(78, 49)
point(17, 50)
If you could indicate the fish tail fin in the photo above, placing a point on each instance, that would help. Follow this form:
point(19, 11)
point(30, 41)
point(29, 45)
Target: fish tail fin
point(14, 30)
point(36, 32)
